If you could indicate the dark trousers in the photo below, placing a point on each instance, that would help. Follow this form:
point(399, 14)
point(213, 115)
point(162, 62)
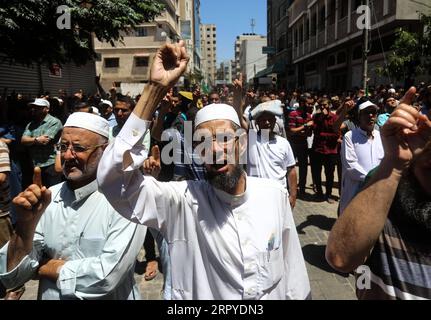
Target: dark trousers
point(328, 161)
point(301, 153)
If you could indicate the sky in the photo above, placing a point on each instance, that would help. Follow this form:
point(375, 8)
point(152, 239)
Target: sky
point(233, 18)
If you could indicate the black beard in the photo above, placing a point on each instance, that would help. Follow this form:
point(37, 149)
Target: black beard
point(226, 181)
point(415, 214)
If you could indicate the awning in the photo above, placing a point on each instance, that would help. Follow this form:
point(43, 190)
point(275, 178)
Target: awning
point(279, 67)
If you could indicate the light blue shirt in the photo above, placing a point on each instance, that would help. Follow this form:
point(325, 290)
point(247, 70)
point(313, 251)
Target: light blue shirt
point(112, 121)
point(382, 119)
point(100, 247)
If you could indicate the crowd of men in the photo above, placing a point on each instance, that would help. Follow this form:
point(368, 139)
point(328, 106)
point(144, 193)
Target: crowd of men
point(214, 179)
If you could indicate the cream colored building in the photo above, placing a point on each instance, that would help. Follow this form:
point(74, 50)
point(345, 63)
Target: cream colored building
point(127, 64)
point(208, 34)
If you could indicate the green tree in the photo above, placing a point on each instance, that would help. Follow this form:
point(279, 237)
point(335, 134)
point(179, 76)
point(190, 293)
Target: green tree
point(29, 32)
point(410, 54)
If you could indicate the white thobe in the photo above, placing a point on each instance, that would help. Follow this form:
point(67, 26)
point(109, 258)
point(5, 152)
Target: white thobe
point(99, 246)
point(269, 158)
point(359, 155)
point(221, 246)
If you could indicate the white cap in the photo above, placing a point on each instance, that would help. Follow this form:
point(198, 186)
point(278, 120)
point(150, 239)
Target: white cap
point(95, 111)
point(89, 122)
point(109, 103)
point(40, 103)
point(366, 105)
point(273, 107)
point(216, 111)
point(392, 90)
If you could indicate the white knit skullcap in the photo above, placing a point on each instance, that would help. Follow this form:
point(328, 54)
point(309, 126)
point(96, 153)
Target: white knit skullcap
point(273, 107)
point(216, 111)
point(89, 122)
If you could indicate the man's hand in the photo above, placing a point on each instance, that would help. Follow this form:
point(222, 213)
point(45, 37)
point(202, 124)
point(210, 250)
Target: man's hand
point(43, 140)
point(152, 165)
point(169, 64)
point(51, 269)
point(349, 105)
point(406, 133)
point(31, 203)
point(97, 79)
point(238, 85)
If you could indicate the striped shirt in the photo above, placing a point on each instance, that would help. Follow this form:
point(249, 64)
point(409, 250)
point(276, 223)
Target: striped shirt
point(400, 262)
point(4, 187)
point(44, 156)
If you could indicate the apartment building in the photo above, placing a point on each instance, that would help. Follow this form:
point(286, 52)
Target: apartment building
point(249, 55)
point(126, 64)
point(327, 45)
point(209, 52)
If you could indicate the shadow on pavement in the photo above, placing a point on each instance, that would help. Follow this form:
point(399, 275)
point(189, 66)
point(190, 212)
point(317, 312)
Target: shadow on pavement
point(315, 255)
point(318, 220)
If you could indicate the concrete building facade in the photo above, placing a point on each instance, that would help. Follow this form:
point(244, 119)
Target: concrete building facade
point(251, 59)
point(209, 52)
point(279, 43)
point(127, 64)
point(327, 45)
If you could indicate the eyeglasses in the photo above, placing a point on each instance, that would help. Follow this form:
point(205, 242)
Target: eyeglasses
point(222, 140)
point(75, 148)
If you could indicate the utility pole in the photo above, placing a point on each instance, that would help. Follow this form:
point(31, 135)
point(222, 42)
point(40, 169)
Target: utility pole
point(366, 49)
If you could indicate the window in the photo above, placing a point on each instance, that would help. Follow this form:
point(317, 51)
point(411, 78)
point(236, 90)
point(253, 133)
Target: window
point(141, 61)
point(342, 8)
point(357, 53)
point(301, 35)
point(331, 61)
point(322, 19)
point(341, 57)
point(141, 32)
point(356, 4)
point(307, 29)
point(214, 42)
point(331, 12)
point(112, 62)
point(214, 29)
point(313, 24)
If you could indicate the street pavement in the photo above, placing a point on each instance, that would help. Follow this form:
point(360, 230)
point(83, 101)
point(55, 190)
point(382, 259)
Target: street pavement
point(314, 220)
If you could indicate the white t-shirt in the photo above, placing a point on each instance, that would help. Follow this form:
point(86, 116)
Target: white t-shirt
point(270, 159)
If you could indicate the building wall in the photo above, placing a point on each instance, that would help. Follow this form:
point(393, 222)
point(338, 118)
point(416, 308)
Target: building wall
point(252, 60)
point(142, 42)
point(279, 38)
point(327, 44)
point(209, 51)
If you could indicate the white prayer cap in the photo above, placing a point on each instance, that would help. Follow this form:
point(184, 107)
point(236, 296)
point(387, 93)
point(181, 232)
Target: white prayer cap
point(40, 103)
point(216, 111)
point(366, 105)
point(392, 90)
point(107, 102)
point(89, 122)
point(273, 107)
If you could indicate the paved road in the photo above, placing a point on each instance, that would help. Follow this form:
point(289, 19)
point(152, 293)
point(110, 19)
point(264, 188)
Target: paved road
point(314, 220)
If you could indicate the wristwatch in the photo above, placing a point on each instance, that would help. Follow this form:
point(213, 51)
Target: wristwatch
point(36, 141)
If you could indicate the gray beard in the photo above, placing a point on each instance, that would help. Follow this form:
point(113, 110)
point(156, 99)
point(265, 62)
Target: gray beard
point(415, 203)
point(226, 181)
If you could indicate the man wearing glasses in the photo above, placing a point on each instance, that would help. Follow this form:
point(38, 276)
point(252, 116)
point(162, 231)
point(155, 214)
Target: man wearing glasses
point(69, 235)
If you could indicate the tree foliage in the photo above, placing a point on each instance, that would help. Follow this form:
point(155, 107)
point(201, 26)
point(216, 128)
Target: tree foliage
point(29, 32)
point(410, 54)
